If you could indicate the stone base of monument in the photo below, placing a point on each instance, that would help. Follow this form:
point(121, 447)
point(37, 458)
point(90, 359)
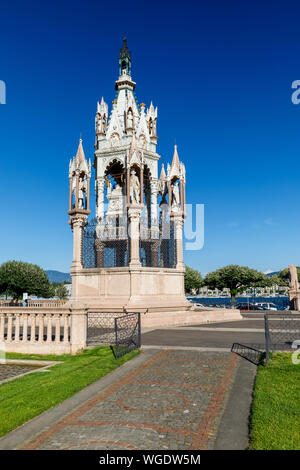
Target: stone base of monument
point(155, 292)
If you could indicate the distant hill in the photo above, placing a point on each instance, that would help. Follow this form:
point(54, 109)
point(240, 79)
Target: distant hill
point(275, 273)
point(57, 276)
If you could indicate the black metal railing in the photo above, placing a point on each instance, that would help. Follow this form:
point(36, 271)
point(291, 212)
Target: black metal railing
point(282, 331)
point(127, 333)
point(250, 353)
point(108, 246)
point(122, 333)
point(101, 328)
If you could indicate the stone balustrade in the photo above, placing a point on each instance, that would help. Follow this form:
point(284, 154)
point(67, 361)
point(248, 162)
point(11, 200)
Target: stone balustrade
point(46, 303)
point(42, 330)
point(34, 303)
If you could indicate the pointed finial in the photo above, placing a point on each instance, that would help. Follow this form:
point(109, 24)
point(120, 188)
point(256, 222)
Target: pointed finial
point(175, 161)
point(80, 153)
point(162, 173)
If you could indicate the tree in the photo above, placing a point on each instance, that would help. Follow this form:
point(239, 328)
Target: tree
point(278, 280)
point(17, 277)
point(284, 275)
point(237, 279)
point(61, 291)
point(192, 279)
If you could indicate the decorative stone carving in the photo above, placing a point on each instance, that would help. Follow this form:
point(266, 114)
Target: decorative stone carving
point(175, 197)
point(115, 139)
point(130, 119)
point(115, 200)
point(134, 188)
point(82, 192)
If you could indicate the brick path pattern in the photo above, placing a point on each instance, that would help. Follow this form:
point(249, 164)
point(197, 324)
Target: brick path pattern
point(173, 401)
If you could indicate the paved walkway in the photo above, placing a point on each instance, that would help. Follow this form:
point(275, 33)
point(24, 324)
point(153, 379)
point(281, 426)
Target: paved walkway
point(201, 338)
point(160, 400)
point(185, 391)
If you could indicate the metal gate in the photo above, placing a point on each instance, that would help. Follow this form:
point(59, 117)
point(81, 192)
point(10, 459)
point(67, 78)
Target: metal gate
point(127, 333)
point(122, 333)
point(101, 328)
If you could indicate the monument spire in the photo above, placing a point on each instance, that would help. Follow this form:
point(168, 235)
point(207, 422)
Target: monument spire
point(124, 60)
point(80, 152)
point(175, 162)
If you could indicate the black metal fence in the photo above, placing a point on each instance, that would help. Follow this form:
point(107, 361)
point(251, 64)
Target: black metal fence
point(108, 246)
point(104, 246)
point(101, 328)
point(127, 333)
point(122, 333)
point(250, 353)
point(282, 333)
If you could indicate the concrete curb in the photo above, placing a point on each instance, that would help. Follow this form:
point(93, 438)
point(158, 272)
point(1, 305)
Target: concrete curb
point(233, 431)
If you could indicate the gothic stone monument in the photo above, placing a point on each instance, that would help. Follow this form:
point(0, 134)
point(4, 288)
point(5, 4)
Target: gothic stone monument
point(129, 257)
point(294, 293)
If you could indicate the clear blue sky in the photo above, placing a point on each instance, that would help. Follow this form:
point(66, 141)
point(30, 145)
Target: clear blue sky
point(219, 72)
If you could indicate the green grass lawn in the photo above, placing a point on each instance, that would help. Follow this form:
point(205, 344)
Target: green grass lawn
point(24, 398)
point(275, 421)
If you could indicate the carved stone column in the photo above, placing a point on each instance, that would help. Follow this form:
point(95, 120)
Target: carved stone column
point(100, 182)
point(77, 223)
point(78, 327)
point(134, 213)
point(154, 212)
point(178, 224)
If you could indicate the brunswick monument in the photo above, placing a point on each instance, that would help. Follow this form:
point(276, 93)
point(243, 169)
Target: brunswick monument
point(129, 257)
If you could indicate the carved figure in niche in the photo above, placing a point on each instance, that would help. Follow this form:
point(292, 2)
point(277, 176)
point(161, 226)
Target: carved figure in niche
point(150, 127)
point(103, 127)
point(81, 192)
point(98, 123)
point(134, 188)
point(129, 119)
point(114, 139)
point(175, 196)
point(142, 141)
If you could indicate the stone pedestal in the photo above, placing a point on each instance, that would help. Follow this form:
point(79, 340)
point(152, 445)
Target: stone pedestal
point(77, 222)
point(134, 213)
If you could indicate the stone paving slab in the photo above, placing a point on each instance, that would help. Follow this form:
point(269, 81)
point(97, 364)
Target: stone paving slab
point(10, 371)
point(174, 400)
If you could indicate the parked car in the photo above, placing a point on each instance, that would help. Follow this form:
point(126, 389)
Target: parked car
point(267, 305)
point(247, 307)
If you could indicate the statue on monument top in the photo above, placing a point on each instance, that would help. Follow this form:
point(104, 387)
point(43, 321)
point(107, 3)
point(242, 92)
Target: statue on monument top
point(81, 191)
point(130, 119)
point(175, 196)
point(134, 188)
